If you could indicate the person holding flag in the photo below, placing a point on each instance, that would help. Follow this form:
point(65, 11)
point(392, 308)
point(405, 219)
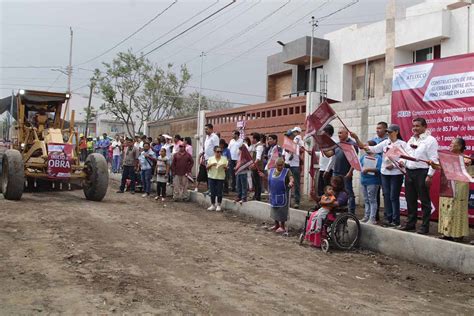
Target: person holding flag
point(342, 166)
point(453, 220)
point(422, 148)
point(391, 173)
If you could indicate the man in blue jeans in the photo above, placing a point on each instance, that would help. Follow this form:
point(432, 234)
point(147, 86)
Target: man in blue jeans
point(342, 167)
point(147, 160)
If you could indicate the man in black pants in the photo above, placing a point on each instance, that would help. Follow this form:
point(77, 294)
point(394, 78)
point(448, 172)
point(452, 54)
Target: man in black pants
point(419, 175)
point(257, 155)
point(130, 165)
point(234, 148)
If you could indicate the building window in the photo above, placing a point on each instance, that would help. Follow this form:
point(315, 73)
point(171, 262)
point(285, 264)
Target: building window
point(316, 74)
point(279, 112)
point(297, 110)
point(425, 54)
point(274, 113)
point(285, 111)
point(303, 109)
point(268, 114)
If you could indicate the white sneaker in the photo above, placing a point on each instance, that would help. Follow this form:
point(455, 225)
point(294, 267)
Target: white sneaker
point(211, 208)
point(218, 208)
point(196, 190)
point(144, 195)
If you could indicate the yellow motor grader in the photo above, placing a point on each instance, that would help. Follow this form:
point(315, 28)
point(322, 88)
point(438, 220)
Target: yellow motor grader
point(44, 146)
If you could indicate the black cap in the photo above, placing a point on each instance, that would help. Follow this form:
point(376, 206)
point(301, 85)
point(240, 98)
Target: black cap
point(393, 128)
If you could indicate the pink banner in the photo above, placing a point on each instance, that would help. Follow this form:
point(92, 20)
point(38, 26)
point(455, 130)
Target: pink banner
point(442, 92)
point(351, 155)
point(454, 167)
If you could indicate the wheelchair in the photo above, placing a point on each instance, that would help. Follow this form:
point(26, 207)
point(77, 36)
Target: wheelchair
point(340, 230)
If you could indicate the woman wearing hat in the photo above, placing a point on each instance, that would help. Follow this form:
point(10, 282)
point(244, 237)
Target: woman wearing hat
point(392, 175)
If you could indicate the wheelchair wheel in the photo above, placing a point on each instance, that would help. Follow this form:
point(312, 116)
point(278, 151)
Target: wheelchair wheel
point(301, 238)
point(345, 231)
point(325, 245)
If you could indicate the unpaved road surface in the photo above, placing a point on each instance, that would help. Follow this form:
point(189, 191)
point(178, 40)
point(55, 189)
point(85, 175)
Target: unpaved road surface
point(127, 255)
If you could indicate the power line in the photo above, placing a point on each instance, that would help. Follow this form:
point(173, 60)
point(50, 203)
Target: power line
point(281, 31)
point(215, 29)
point(231, 92)
point(55, 80)
point(131, 35)
point(178, 26)
point(249, 28)
point(190, 28)
point(28, 67)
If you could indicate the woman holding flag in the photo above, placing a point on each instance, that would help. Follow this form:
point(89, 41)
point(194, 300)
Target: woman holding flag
point(392, 173)
point(453, 221)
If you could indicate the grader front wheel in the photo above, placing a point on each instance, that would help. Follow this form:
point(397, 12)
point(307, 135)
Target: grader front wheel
point(97, 181)
point(12, 178)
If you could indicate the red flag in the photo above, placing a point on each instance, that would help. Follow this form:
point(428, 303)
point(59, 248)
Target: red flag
point(314, 162)
point(351, 155)
point(324, 142)
point(289, 145)
point(454, 167)
point(319, 118)
point(394, 154)
point(273, 158)
point(245, 160)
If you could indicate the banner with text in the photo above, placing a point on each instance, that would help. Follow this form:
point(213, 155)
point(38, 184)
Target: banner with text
point(59, 160)
point(442, 92)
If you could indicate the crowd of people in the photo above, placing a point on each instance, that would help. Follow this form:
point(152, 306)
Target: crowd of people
point(169, 161)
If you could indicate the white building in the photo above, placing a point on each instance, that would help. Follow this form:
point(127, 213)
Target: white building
point(432, 29)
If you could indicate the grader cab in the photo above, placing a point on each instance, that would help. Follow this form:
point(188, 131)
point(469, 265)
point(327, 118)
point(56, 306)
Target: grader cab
point(45, 147)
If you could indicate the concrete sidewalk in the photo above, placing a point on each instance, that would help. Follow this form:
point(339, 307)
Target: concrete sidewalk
point(408, 246)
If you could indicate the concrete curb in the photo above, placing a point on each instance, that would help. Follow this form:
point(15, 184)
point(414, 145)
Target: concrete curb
point(408, 246)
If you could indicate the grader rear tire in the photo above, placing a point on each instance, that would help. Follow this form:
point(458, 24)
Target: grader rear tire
point(12, 179)
point(97, 182)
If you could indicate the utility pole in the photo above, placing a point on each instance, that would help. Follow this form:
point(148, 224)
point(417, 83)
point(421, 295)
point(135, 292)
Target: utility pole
point(199, 119)
point(314, 24)
point(69, 72)
point(10, 117)
point(88, 113)
point(307, 183)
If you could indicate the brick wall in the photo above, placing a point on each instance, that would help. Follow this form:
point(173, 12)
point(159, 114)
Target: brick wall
point(268, 118)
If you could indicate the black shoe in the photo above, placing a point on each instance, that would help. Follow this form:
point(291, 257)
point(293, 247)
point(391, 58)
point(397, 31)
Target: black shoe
point(407, 228)
point(423, 231)
point(119, 191)
point(132, 192)
point(388, 224)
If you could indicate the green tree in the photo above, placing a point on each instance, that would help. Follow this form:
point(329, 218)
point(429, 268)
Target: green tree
point(191, 104)
point(135, 90)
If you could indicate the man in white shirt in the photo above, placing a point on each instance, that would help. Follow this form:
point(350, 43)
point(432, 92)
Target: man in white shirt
point(116, 154)
point(419, 175)
point(256, 150)
point(234, 146)
point(211, 141)
point(293, 161)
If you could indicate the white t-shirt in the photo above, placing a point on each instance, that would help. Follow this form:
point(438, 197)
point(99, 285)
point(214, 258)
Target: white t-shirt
point(209, 144)
point(383, 147)
point(167, 147)
point(234, 146)
point(116, 148)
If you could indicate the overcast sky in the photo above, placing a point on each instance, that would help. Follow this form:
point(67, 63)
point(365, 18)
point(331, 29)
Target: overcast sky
point(36, 33)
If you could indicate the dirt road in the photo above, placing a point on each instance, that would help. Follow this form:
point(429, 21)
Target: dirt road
point(62, 254)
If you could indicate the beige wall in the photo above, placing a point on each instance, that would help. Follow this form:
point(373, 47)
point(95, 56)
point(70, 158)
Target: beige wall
point(278, 85)
point(376, 74)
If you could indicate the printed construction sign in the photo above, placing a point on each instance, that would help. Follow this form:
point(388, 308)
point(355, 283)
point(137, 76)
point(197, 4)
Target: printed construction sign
point(442, 92)
point(59, 160)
